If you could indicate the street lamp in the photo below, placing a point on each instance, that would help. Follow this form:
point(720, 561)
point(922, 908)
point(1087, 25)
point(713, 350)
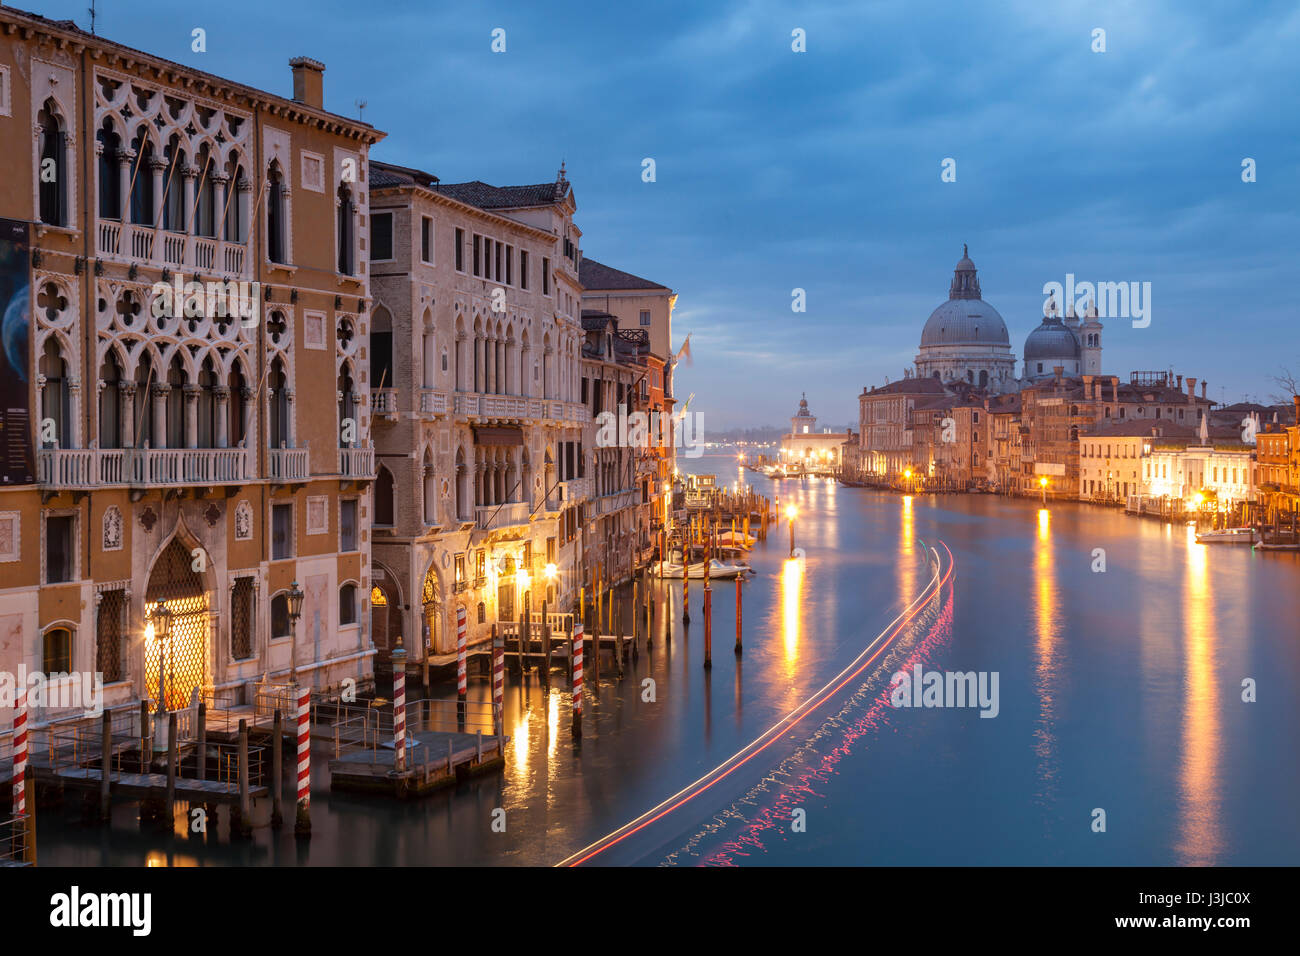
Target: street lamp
point(160, 623)
point(295, 611)
point(790, 512)
point(1042, 483)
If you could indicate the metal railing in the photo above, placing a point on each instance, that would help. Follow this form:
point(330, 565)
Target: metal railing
point(13, 841)
point(370, 729)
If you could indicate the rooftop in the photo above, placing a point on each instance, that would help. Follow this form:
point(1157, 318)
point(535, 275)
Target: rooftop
point(596, 276)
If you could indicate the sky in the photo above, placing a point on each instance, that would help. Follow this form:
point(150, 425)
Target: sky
point(777, 170)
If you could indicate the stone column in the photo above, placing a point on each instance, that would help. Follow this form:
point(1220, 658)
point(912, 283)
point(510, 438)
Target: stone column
point(124, 157)
point(160, 393)
point(191, 393)
point(157, 168)
point(289, 425)
point(221, 399)
point(245, 188)
point(219, 183)
point(126, 411)
point(188, 173)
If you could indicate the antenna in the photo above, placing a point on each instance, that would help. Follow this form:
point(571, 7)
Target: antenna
point(361, 108)
point(92, 16)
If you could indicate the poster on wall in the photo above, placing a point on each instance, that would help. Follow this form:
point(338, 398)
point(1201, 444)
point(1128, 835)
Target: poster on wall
point(17, 466)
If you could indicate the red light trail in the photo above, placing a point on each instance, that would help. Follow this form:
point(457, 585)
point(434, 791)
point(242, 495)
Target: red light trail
point(873, 651)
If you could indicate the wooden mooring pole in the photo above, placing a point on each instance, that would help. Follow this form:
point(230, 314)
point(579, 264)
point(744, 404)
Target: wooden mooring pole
point(708, 626)
point(245, 827)
point(546, 645)
point(106, 772)
point(203, 741)
point(739, 610)
point(277, 770)
point(170, 802)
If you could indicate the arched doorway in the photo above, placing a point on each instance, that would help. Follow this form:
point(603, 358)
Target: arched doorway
point(385, 613)
point(431, 603)
point(182, 658)
point(506, 590)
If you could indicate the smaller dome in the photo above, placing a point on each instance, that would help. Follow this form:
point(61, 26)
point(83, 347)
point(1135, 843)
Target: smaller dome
point(1051, 340)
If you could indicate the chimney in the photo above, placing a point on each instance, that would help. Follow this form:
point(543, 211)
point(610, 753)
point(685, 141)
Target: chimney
point(1114, 388)
point(1204, 386)
point(1296, 399)
point(308, 81)
point(1191, 389)
point(1059, 370)
point(1180, 383)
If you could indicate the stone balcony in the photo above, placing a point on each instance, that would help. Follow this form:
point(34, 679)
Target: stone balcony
point(433, 403)
point(357, 463)
point(567, 493)
point(84, 468)
point(490, 517)
point(483, 408)
point(145, 245)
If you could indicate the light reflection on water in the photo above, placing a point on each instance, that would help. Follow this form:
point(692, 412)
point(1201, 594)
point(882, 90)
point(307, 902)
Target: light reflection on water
point(1199, 837)
point(1047, 632)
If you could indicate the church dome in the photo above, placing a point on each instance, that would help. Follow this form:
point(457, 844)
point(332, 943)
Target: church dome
point(1050, 341)
point(965, 319)
point(965, 322)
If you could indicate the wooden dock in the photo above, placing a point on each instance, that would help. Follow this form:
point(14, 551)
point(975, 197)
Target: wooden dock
point(141, 785)
point(434, 759)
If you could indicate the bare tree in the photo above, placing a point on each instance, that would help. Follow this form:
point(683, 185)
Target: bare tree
point(1286, 380)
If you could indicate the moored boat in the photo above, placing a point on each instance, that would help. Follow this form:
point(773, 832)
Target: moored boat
point(717, 569)
point(1227, 536)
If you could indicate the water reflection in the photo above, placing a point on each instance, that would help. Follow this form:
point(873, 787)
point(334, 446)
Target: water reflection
point(1047, 613)
point(791, 608)
point(1199, 840)
point(906, 555)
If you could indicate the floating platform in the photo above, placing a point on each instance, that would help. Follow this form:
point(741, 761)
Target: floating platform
point(434, 759)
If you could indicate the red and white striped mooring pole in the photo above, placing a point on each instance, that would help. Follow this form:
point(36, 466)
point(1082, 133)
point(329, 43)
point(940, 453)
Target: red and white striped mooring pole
point(498, 681)
point(399, 707)
point(20, 751)
point(302, 820)
point(577, 680)
point(462, 643)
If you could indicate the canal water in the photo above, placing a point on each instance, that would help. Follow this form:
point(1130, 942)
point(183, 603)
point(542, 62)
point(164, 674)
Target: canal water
point(1121, 735)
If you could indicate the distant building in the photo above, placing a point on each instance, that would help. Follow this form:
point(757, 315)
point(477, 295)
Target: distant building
point(806, 449)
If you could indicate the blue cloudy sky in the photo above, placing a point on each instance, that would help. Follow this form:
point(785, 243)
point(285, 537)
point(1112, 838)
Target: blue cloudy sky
point(821, 170)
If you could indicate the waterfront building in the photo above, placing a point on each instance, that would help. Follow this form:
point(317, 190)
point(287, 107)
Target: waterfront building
point(1055, 410)
point(615, 369)
point(478, 405)
point(805, 449)
point(643, 306)
point(1004, 449)
point(206, 451)
point(1272, 458)
point(885, 424)
point(1207, 469)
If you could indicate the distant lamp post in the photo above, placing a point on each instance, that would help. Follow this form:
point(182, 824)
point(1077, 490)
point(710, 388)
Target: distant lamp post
point(907, 479)
point(790, 513)
point(160, 622)
point(295, 611)
point(1042, 483)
